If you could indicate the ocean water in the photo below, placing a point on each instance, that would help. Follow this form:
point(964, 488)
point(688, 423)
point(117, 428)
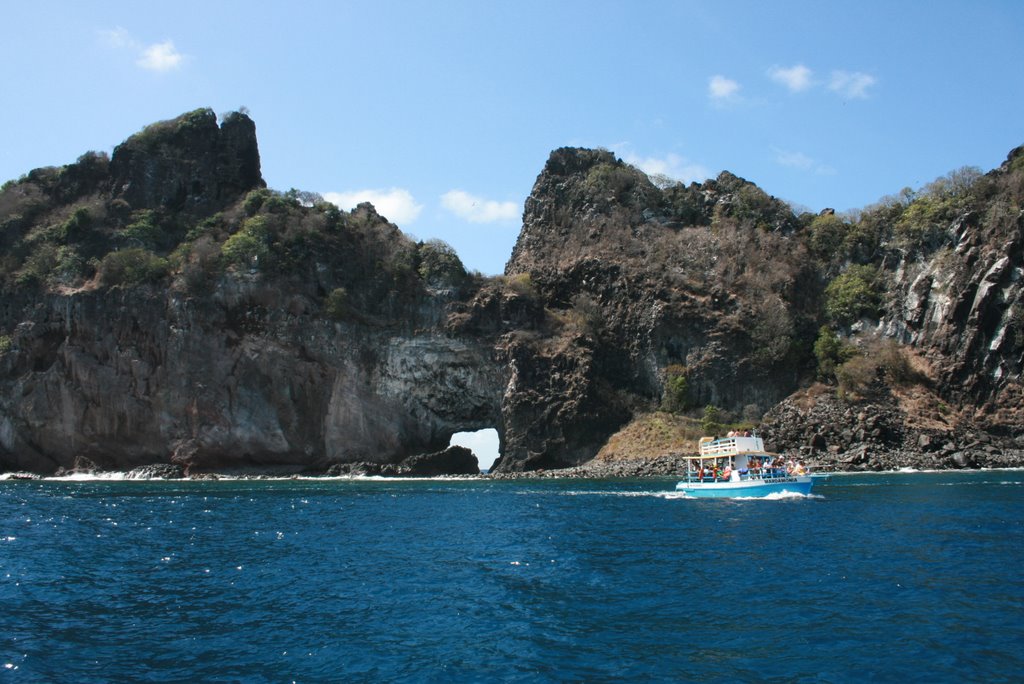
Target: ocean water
point(895, 577)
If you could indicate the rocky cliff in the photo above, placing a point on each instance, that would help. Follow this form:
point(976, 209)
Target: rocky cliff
point(164, 307)
point(636, 279)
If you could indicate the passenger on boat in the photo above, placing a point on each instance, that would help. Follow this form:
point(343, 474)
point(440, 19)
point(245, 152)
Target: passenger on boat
point(727, 473)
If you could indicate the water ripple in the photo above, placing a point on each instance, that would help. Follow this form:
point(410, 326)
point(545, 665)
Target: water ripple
point(898, 576)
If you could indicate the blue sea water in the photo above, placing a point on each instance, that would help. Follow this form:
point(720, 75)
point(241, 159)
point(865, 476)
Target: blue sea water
point(894, 577)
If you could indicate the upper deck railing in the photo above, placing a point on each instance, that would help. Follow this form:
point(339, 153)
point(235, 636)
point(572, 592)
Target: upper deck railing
point(730, 446)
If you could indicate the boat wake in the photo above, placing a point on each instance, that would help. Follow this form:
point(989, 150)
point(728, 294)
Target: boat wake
point(779, 496)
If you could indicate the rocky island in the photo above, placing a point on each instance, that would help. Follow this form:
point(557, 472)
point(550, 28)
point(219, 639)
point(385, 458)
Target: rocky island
point(162, 308)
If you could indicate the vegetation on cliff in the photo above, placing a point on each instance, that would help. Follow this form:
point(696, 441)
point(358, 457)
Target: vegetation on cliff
point(624, 295)
point(102, 223)
point(715, 294)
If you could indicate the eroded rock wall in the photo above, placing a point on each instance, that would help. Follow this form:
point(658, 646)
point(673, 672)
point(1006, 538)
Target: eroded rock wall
point(133, 377)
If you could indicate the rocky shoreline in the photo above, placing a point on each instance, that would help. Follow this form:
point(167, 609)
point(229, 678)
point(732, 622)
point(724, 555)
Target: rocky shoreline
point(817, 427)
point(855, 461)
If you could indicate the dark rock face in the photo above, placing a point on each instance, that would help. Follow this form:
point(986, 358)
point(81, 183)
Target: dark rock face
point(133, 377)
point(454, 460)
point(876, 435)
point(231, 367)
point(156, 471)
point(273, 333)
point(961, 307)
point(637, 282)
point(188, 164)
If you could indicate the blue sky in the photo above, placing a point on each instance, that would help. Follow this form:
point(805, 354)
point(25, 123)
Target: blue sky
point(445, 112)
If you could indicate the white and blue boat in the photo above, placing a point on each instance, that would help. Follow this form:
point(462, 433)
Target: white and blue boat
point(740, 467)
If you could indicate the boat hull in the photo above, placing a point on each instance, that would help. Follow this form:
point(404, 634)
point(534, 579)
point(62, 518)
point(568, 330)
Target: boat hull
point(749, 488)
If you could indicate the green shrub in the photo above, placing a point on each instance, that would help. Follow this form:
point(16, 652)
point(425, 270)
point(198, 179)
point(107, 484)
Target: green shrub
point(674, 396)
point(5, 343)
point(831, 352)
point(77, 225)
point(279, 204)
point(144, 229)
point(337, 304)
point(254, 200)
point(69, 267)
point(924, 221)
point(205, 227)
point(754, 206)
point(711, 422)
point(249, 246)
point(825, 236)
point(440, 264)
point(522, 284)
point(38, 266)
point(852, 295)
point(610, 179)
point(132, 266)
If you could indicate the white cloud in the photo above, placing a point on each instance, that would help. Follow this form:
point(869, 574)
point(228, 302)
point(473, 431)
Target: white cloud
point(160, 57)
point(477, 209)
point(799, 160)
point(795, 78)
point(671, 165)
point(117, 38)
point(156, 57)
point(396, 204)
point(849, 84)
point(721, 88)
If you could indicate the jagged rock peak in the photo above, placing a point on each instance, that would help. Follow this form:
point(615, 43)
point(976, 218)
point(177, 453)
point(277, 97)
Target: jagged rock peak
point(188, 163)
point(1014, 159)
point(568, 160)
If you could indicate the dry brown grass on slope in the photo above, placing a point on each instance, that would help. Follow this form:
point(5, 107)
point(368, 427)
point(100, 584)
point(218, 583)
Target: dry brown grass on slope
point(652, 435)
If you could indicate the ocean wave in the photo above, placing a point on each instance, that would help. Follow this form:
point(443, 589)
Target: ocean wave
point(90, 477)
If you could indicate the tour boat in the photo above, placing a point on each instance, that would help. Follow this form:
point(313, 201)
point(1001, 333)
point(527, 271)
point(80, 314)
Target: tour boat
point(739, 467)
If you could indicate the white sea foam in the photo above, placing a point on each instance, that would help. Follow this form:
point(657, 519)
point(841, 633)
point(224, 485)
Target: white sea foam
point(90, 477)
point(118, 476)
point(778, 496)
point(682, 495)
